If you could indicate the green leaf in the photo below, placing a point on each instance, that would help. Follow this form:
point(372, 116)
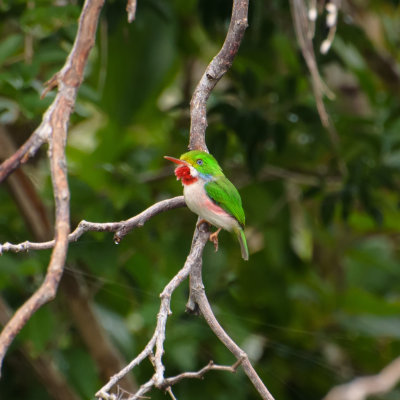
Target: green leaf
point(10, 46)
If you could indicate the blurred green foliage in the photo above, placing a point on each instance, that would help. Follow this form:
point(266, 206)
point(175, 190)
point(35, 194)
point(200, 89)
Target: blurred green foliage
point(318, 303)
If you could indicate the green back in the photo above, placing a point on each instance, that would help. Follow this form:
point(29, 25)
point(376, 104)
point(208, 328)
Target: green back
point(227, 197)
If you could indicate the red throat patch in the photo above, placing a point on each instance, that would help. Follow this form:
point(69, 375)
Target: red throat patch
point(183, 173)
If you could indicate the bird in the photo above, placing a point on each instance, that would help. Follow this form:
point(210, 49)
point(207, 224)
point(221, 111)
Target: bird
point(211, 195)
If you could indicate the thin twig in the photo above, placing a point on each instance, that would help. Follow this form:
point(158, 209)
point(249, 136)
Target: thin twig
point(216, 69)
point(304, 37)
point(171, 394)
point(303, 28)
point(157, 340)
point(122, 228)
point(332, 9)
point(361, 388)
point(200, 373)
point(131, 10)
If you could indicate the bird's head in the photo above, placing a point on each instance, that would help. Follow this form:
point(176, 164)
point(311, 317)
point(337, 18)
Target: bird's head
point(194, 165)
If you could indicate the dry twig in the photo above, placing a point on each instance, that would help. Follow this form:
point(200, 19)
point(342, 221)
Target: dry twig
point(157, 341)
point(53, 130)
point(304, 33)
point(122, 228)
point(198, 299)
point(131, 10)
point(361, 388)
point(214, 72)
point(193, 265)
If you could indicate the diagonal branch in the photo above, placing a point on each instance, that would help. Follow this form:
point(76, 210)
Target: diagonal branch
point(363, 387)
point(198, 299)
point(68, 80)
point(157, 341)
point(193, 265)
point(214, 72)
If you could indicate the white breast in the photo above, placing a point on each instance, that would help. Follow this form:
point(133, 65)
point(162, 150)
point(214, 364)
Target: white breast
point(197, 201)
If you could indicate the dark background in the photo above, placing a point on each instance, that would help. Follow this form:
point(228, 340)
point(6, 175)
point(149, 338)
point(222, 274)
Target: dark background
point(318, 302)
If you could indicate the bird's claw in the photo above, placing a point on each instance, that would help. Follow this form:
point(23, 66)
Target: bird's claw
point(214, 238)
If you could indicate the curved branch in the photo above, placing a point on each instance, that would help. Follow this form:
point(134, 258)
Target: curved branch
point(198, 113)
point(54, 129)
point(68, 80)
point(198, 299)
point(121, 228)
point(361, 388)
point(157, 341)
point(214, 72)
point(304, 32)
point(193, 265)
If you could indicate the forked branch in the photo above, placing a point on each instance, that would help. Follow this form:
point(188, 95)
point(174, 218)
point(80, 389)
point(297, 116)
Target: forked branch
point(154, 349)
point(53, 130)
point(193, 266)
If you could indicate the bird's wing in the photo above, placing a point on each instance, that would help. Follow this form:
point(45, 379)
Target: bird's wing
point(223, 193)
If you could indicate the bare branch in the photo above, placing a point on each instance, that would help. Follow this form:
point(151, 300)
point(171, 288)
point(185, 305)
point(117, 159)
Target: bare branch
point(157, 341)
point(171, 394)
point(214, 72)
point(27, 150)
point(47, 371)
point(193, 265)
point(199, 299)
point(121, 228)
point(200, 373)
point(332, 9)
point(361, 388)
point(53, 129)
point(131, 10)
point(68, 80)
point(304, 37)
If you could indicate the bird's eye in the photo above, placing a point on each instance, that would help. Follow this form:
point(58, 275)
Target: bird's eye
point(199, 161)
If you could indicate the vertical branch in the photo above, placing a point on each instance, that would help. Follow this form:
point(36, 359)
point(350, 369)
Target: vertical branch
point(198, 112)
point(304, 37)
point(214, 72)
point(53, 129)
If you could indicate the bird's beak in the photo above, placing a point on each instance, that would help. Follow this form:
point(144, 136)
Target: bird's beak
point(175, 160)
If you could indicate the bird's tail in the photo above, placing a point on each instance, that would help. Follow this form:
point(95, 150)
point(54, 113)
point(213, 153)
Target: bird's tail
point(243, 244)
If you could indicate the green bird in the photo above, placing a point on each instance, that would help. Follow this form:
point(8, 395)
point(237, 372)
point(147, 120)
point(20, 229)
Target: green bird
point(211, 195)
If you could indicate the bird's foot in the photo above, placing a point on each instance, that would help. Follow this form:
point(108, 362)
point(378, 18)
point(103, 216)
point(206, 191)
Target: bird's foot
point(214, 238)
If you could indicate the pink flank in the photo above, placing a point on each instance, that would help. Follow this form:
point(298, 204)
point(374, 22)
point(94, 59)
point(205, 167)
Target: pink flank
point(213, 207)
